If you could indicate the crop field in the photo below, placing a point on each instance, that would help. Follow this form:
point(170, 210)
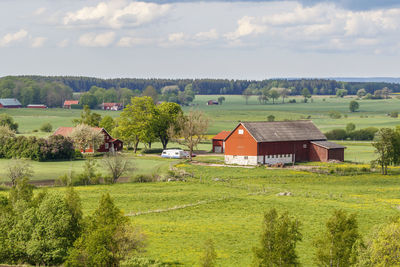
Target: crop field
point(230, 210)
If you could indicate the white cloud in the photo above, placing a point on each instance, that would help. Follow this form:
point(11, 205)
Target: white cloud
point(204, 36)
point(39, 11)
point(97, 40)
point(133, 41)
point(177, 37)
point(246, 26)
point(63, 43)
point(116, 14)
point(38, 42)
point(13, 37)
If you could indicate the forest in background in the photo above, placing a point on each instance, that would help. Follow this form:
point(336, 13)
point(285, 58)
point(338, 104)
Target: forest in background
point(53, 90)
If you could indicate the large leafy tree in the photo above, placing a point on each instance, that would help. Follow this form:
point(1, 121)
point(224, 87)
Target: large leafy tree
point(166, 116)
point(136, 121)
point(107, 238)
point(88, 117)
point(108, 123)
point(354, 106)
point(189, 130)
point(89, 100)
point(337, 245)
point(306, 94)
point(386, 143)
point(279, 237)
point(151, 92)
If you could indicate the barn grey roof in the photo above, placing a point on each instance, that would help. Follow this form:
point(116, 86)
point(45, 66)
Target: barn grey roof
point(9, 102)
point(264, 131)
point(327, 144)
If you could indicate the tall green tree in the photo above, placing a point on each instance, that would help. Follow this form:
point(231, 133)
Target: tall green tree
point(354, 106)
point(166, 116)
point(278, 241)
point(150, 91)
point(274, 95)
point(88, 99)
point(107, 122)
point(386, 144)
point(306, 94)
point(107, 238)
point(136, 121)
point(88, 118)
point(337, 245)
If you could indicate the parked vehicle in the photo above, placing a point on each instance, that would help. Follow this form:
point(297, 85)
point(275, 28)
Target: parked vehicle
point(174, 154)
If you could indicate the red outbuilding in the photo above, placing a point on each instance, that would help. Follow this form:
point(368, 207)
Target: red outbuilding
point(111, 106)
point(36, 106)
point(218, 142)
point(109, 142)
point(68, 103)
point(252, 143)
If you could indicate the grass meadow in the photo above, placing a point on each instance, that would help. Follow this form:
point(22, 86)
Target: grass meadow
point(230, 210)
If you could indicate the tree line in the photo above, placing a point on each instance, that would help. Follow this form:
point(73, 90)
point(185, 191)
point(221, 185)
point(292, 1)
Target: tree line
point(52, 90)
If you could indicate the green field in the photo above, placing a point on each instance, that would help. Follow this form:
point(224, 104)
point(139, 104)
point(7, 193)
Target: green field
point(234, 109)
point(230, 211)
point(53, 170)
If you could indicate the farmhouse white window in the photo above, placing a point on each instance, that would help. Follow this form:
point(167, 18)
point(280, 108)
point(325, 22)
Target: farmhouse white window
point(106, 146)
point(240, 131)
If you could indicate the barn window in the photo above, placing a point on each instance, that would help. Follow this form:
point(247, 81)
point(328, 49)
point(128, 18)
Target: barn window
point(246, 157)
point(304, 145)
point(240, 131)
point(280, 156)
point(106, 146)
point(267, 156)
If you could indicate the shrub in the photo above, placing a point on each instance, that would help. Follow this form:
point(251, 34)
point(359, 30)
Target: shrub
point(145, 178)
point(142, 262)
point(271, 118)
point(394, 114)
point(336, 134)
point(46, 127)
point(335, 114)
point(292, 101)
point(366, 134)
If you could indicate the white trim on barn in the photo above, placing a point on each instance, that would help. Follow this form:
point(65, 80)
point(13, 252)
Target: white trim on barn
point(241, 160)
point(255, 160)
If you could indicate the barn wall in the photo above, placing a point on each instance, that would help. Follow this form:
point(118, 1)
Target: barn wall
point(318, 153)
point(241, 160)
point(299, 148)
point(241, 144)
point(336, 154)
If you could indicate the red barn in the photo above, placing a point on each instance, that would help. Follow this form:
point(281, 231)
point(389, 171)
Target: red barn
point(36, 106)
point(10, 103)
point(252, 143)
point(108, 144)
point(218, 142)
point(68, 103)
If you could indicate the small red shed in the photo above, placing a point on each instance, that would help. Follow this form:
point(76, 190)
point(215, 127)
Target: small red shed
point(218, 142)
point(252, 143)
point(36, 106)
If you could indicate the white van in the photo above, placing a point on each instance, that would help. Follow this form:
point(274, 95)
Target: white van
point(174, 154)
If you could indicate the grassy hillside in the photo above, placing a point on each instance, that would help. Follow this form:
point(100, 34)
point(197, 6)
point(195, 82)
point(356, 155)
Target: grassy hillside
point(230, 211)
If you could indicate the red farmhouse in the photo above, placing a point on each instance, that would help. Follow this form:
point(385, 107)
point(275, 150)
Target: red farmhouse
point(108, 144)
point(68, 103)
point(218, 142)
point(252, 143)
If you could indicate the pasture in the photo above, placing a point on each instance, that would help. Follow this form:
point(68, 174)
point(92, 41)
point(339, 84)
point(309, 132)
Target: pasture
point(230, 210)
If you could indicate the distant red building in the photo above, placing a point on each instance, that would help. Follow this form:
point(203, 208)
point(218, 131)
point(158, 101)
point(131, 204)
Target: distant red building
point(212, 102)
point(111, 106)
point(68, 103)
point(36, 106)
point(10, 103)
point(109, 142)
point(252, 143)
point(218, 142)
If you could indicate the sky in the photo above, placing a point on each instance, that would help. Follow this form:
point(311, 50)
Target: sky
point(200, 39)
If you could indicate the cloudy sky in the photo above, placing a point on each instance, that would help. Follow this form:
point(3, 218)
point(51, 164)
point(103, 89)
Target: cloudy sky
point(193, 39)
